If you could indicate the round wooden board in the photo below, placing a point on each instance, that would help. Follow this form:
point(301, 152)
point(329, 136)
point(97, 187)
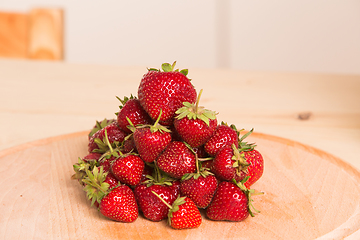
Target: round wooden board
point(308, 194)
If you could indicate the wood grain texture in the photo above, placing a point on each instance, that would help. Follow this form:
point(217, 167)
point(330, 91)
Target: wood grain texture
point(37, 34)
point(13, 34)
point(46, 34)
point(308, 194)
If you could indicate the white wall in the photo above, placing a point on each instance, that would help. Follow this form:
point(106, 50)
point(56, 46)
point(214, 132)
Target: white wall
point(277, 35)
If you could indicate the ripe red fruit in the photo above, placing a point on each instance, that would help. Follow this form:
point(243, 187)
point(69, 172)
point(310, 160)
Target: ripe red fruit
point(120, 205)
point(231, 202)
point(256, 168)
point(222, 137)
point(200, 189)
point(150, 141)
point(100, 125)
point(131, 109)
point(195, 124)
point(183, 213)
point(128, 169)
point(176, 160)
point(151, 206)
point(165, 90)
point(228, 164)
point(99, 142)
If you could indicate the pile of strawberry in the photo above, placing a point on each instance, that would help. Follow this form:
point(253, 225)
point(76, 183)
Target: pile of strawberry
point(164, 156)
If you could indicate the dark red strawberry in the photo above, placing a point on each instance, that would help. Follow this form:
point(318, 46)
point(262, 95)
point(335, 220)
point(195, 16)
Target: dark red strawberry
point(98, 142)
point(150, 205)
point(222, 137)
point(129, 145)
point(100, 125)
point(120, 205)
point(128, 169)
point(131, 109)
point(228, 164)
point(165, 90)
point(231, 202)
point(195, 124)
point(183, 213)
point(176, 160)
point(150, 141)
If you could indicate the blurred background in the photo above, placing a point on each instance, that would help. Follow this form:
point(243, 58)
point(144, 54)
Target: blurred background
point(304, 36)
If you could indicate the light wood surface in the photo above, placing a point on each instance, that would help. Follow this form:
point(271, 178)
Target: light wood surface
point(43, 99)
point(37, 34)
point(305, 188)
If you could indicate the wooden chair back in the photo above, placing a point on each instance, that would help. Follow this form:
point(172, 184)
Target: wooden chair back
point(37, 34)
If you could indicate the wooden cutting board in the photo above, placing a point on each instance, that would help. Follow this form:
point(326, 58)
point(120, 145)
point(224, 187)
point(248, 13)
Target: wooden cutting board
point(308, 194)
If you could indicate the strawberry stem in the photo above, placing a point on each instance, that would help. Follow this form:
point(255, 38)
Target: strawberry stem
point(168, 205)
point(197, 101)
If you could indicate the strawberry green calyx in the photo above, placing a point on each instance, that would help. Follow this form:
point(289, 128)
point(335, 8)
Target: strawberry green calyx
point(167, 67)
point(95, 187)
point(240, 163)
point(81, 167)
point(158, 178)
point(192, 111)
point(248, 193)
point(153, 128)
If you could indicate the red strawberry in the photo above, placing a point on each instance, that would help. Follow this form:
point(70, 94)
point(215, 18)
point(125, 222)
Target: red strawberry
point(165, 90)
point(120, 205)
point(98, 142)
point(100, 125)
point(255, 169)
point(222, 137)
point(151, 206)
point(228, 164)
point(128, 169)
point(111, 180)
point(200, 188)
point(231, 202)
point(195, 124)
point(176, 160)
point(131, 109)
point(150, 141)
point(117, 203)
point(183, 213)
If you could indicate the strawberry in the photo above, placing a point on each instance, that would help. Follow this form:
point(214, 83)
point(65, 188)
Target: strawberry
point(256, 168)
point(228, 164)
point(195, 124)
point(120, 205)
point(176, 160)
point(223, 136)
point(183, 213)
point(165, 90)
point(114, 135)
point(131, 109)
point(200, 187)
point(117, 203)
point(128, 169)
point(151, 206)
point(150, 141)
point(100, 125)
point(231, 202)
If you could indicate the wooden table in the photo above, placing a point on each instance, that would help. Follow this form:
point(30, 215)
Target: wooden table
point(44, 99)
